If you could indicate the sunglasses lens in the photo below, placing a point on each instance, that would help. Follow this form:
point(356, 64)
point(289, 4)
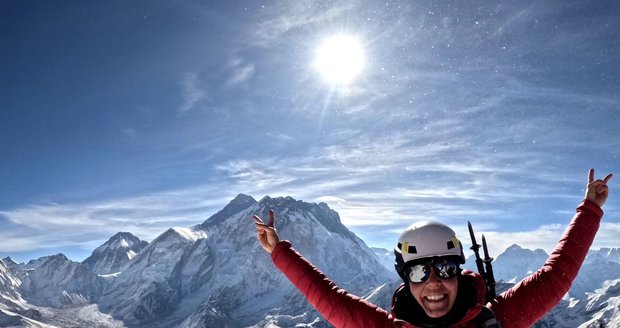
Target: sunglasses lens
point(419, 273)
point(444, 268)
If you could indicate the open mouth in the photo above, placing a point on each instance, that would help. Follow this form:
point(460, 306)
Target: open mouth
point(435, 297)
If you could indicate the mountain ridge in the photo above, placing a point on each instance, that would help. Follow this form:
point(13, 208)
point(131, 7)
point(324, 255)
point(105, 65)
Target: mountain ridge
point(212, 273)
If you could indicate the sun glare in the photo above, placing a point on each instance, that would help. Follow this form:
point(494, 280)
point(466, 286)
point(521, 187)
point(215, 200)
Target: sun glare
point(339, 59)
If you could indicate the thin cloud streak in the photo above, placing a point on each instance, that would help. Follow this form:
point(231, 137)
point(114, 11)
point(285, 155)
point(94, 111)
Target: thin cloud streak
point(241, 74)
point(80, 224)
point(193, 92)
point(298, 16)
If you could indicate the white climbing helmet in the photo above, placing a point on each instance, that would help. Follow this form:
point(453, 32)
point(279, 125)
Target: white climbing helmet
point(426, 239)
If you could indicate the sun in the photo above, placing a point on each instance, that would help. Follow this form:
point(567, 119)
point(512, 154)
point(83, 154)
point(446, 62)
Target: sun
point(339, 59)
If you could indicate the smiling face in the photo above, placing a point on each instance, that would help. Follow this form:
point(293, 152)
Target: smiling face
point(436, 296)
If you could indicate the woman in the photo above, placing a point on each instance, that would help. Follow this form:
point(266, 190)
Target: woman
point(436, 292)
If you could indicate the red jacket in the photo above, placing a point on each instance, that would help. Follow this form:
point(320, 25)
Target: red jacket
point(520, 306)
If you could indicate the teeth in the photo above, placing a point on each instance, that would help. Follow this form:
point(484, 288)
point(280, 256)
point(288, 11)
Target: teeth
point(436, 297)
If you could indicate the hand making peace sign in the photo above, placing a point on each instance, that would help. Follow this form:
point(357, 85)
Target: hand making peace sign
point(266, 233)
point(597, 190)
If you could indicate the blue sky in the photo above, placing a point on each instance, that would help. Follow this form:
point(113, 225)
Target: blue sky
point(143, 115)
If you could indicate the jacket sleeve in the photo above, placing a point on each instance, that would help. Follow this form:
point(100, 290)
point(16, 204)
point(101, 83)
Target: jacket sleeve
point(336, 305)
point(533, 297)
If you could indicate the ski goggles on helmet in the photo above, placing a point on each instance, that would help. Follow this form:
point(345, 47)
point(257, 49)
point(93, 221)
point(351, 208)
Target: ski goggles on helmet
point(445, 268)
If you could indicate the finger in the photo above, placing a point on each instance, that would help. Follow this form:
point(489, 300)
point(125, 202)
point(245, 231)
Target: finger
point(601, 189)
point(258, 219)
point(272, 219)
point(590, 176)
point(608, 177)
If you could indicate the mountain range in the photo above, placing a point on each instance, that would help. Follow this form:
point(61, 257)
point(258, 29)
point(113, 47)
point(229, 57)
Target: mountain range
point(215, 274)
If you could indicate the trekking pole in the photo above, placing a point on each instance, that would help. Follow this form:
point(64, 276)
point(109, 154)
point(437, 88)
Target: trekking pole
point(475, 247)
point(489, 278)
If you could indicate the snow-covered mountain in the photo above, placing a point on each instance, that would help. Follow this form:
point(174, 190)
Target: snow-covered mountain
point(594, 298)
point(606, 254)
point(59, 282)
point(386, 258)
point(10, 296)
point(215, 274)
point(243, 272)
point(113, 255)
point(14, 310)
point(514, 264)
point(599, 309)
point(211, 274)
point(155, 282)
point(600, 266)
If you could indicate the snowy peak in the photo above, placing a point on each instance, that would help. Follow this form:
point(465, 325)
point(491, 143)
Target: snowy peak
point(171, 241)
point(33, 264)
point(8, 261)
point(285, 206)
point(516, 250)
point(123, 240)
point(178, 234)
point(604, 255)
point(114, 254)
point(9, 287)
point(314, 229)
point(516, 262)
point(238, 204)
point(56, 260)
point(242, 200)
point(152, 284)
point(17, 269)
point(513, 248)
point(318, 233)
point(60, 282)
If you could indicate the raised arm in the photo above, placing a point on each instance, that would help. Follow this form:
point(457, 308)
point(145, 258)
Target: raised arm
point(533, 297)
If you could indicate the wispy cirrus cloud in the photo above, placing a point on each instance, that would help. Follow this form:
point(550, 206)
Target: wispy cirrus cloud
point(298, 17)
point(53, 226)
point(241, 73)
point(194, 92)
point(261, 174)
